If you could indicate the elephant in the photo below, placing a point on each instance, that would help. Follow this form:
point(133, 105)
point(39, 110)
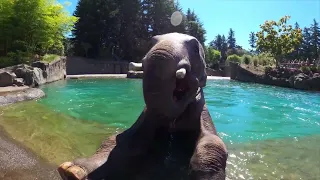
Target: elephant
point(174, 137)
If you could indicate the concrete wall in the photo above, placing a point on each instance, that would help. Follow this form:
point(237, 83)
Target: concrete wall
point(80, 65)
point(223, 73)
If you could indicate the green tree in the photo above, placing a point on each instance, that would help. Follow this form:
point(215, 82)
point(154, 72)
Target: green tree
point(212, 56)
point(315, 33)
point(194, 27)
point(252, 41)
point(278, 38)
point(231, 39)
point(217, 42)
point(33, 26)
point(224, 49)
point(306, 44)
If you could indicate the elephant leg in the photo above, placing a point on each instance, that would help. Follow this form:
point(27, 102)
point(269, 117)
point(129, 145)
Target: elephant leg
point(209, 159)
point(114, 155)
point(80, 168)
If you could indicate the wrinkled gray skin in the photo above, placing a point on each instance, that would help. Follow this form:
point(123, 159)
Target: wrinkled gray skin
point(174, 137)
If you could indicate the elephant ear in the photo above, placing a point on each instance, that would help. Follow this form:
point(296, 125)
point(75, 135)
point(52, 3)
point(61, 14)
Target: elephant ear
point(155, 39)
point(197, 59)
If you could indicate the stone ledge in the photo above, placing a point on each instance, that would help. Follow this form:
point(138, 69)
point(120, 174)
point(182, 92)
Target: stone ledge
point(14, 97)
point(135, 74)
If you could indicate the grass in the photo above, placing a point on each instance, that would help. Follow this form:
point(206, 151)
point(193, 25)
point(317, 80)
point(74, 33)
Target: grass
point(49, 57)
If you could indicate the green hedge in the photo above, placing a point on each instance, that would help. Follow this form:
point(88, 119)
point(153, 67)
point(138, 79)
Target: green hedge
point(233, 58)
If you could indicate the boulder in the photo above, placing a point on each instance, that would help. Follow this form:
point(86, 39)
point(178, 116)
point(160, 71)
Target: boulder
point(300, 81)
point(18, 81)
point(314, 82)
point(6, 79)
point(33, 76)
point(135, 66)
point(40, 64)
point(135, 74)
point(28, 94)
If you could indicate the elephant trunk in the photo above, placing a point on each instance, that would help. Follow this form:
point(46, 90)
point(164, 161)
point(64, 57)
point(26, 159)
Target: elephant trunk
point(159, 83)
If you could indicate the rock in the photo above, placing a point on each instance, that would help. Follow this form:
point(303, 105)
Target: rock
point(135, 66)
point(314, 82)
point(300, 81)
point(40, 64)
point(38, 77)
point(6, 79)
point(28, 94)
point(33, 76)
point(18, 81)
point(135, 74)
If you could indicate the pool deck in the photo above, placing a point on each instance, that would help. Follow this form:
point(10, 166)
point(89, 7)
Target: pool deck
point(88, 76)
point(4, 90)
point(18, 162)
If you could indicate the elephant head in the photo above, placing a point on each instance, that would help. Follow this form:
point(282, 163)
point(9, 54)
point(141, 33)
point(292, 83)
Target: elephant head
point(174, 72)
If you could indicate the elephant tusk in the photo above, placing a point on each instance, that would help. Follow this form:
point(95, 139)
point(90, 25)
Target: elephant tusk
point(181, 73)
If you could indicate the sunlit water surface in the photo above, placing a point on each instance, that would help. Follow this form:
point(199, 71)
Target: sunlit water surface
point(271, 132)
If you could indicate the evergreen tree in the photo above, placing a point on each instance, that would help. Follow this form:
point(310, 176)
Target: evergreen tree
point(217, 43)
point(306, 44)
point(231, 39)
point(224, 48)
point(315, 39)
point(194, 27)
point(252, 41)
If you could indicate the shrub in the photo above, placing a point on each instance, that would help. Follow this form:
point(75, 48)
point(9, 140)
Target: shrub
point(49, 57)
point(233, 58)
point(19, 57)
point(255, 62)
point(305, 69)
point(5, 62)
point(212, 56)
point(314, 69)
point(266, 59)
point(247, 59)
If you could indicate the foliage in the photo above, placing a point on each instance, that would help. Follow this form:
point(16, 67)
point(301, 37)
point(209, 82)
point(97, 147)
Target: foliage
point(237, 51)
point(278, 38)
point(32, 27)
point(314, 68)
point(49, 57)
point(231, 39)
point(246, 59)
point(233, 58)
point(265, 59)
point(255, 62)
point(212, 56)
point(5, 62)
point(19, 57)
point(315, 40)
point(121, 29)
point(252, 41)
point(220, 44)
point(305, 69)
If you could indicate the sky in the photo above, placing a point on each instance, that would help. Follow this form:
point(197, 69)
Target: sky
point(245, 16)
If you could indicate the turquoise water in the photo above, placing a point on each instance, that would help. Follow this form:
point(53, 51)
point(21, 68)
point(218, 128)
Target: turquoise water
point(270, 132)
point(241, 112)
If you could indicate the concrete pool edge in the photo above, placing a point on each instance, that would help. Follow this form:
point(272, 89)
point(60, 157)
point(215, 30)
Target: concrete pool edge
point(21, 162)
point(89, 76)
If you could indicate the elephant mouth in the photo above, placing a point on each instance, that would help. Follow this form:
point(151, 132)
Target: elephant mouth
point(181, 89)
